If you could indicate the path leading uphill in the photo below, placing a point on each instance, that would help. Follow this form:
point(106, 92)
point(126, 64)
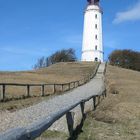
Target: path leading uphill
point(28, 116)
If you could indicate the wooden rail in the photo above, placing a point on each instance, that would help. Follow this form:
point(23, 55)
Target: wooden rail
point(35, 130)
point(70, 85)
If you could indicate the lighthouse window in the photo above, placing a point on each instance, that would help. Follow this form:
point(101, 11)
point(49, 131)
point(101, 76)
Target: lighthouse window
point(96, 26)
point(96, 47)
point(96, 16)
point(96, 37)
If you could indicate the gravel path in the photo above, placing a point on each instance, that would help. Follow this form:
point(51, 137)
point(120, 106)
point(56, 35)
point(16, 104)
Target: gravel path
point(27, 116)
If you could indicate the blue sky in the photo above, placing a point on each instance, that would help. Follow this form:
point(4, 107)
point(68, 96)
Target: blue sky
point(30, 29)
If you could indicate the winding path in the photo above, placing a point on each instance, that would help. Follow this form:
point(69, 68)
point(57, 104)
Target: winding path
point(27, 116)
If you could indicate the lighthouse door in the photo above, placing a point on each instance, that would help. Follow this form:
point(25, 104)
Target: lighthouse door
point(96, 59)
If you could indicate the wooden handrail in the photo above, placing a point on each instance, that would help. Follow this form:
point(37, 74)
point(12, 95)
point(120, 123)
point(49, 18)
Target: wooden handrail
point(35, 130)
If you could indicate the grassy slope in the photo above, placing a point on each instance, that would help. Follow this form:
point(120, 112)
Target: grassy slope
point(58, 73)
point(118, 116)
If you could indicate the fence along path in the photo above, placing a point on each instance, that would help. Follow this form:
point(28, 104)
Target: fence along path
point(70, 85)
point(54, 109)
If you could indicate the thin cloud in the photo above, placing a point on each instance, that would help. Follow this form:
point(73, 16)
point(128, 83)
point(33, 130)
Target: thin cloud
point(132, 14)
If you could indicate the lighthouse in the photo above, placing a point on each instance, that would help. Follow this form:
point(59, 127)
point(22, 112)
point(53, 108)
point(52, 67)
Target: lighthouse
point(92, 48)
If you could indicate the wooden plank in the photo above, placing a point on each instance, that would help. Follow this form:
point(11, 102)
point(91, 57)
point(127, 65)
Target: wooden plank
point(94, 103)
point(28, 91)
point(75, 84)
point(70, 122)
point(35, 130)
point(82, 105)
point(62, 87)
point(54, 89)
point(69, 86)
point(3, 92)
point(105, 93)
point(99, 99)
point(42, 90)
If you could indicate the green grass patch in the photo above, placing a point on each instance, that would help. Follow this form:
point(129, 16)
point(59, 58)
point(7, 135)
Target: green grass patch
point(53, 135)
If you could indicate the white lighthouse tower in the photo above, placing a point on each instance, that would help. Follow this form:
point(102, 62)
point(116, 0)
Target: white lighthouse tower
point(92, 49)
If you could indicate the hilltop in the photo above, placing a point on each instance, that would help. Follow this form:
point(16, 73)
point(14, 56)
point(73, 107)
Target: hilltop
point(57, 73)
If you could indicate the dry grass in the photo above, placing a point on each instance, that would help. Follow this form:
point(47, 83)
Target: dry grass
point(58, 73)
point(53, 135)
point(125, 104)
point(118, 116)
point(14, 105)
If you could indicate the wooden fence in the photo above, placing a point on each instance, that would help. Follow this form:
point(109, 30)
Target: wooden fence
point(70, 86)
point(34, 131)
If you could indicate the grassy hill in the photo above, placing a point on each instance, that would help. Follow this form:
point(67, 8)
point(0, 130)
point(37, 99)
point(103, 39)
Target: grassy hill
point(58, 73)
point(118, 116)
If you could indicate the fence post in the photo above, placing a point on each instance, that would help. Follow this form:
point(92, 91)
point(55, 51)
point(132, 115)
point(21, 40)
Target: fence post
point(28, 91)
point(42, 90)
point(69, 86)
point(98, 99)
point(62, 87)
point(105, 93)
point(3, 93)
point(76, 84)
point(88, 78)
point(73, 84)
point(79, 83)
point(94, 103)
point(70, 122)
point(54, 89)
point(82, 104)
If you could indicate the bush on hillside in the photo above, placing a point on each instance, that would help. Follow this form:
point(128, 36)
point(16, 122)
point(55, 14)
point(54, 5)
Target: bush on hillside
point(64, 55)
point(125, 58)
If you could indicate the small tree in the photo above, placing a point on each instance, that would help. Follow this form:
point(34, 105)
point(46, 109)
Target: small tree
point(40, 63)
point(126, 59)
point(65, 55)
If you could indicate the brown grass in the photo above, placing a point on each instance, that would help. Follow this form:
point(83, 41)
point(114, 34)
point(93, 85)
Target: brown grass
point(118, 116)
point(58, 73)
point(125, 104)
point(14, 105)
